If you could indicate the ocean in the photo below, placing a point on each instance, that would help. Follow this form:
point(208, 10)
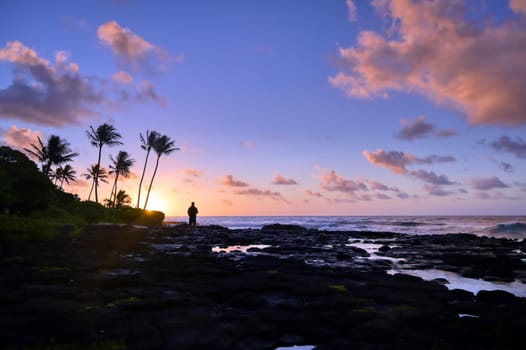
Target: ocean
point(513, 227)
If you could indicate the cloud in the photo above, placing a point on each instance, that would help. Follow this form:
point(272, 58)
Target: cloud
point(254, 192)
point(146, 91)
point(313, 194)
point(375, 185)
point(192, 172)
point(46, 94)
point(228, 180)
point(393, 160)
point(351, 6)
point(131, 49)
point(507, 167)
point(247, 144)
point(437, 50)
point(332, 181)
point(420, 128)
point(397, 161)
point(518, 6)
point(516, 147)
point(486, 183)
point(431, 177)
point(280, 180)
point(122, 77)
point(20, 138)
point(437, 191)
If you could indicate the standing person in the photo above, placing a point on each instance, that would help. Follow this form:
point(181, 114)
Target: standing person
point(192, 214)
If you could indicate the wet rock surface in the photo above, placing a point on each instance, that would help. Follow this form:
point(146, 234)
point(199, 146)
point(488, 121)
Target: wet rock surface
point(176, 288)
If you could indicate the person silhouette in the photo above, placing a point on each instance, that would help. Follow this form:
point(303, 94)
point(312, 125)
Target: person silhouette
point(192, 214)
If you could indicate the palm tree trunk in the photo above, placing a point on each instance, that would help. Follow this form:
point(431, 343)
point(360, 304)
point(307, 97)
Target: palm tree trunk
point(142, 177)
point(151, 182)
point(96, 177)
point(114, 190)
point(91, 190)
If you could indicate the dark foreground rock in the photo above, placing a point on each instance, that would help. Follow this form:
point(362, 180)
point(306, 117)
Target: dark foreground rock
point(177, 288)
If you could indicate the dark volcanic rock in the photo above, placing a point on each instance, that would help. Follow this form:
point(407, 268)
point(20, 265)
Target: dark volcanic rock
point(164, 288)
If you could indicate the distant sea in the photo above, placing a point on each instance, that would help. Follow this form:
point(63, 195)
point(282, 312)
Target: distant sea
point(494, 226)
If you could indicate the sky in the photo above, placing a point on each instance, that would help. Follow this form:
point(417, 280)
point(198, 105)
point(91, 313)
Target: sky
point(300, 107)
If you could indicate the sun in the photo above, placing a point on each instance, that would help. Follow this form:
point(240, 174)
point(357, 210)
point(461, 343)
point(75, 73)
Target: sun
point(155, 202)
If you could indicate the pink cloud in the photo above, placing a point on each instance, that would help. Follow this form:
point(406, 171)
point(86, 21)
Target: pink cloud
point(130, 48)
point(393, 160)
point(351, 6)
point(255, 192)
point(437, 51)
point(247, 144)
point(192, 172)
point(313, 194)
point(332, 181)
point(122, 77)
point(20, 138)
point(518, 6)
point(228, 180)
point(280, 180)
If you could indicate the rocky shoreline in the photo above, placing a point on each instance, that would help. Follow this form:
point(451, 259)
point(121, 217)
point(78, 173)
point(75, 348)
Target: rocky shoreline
point(124, 287)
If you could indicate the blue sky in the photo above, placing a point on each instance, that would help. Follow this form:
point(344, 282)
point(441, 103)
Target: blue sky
point(282, 107)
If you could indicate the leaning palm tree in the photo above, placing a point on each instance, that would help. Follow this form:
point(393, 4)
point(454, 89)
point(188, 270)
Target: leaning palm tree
point(55, 152)
point(95, 172)
point(65, 174)
point(163, 145)
point(146, 144)
point(105, 134)
point(121, 166)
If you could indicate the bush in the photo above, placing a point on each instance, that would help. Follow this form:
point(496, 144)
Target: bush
point(14, 228)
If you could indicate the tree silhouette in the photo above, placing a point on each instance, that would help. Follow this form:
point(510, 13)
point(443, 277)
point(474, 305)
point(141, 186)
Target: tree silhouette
point(55, 152)
point(65, 174)
point(163, 145)
point(122, 199)
point(95, 172)
point(121, 166)
point(146, 144)
point(105, 134)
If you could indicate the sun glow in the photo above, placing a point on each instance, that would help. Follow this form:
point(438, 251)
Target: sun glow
point(155, 202)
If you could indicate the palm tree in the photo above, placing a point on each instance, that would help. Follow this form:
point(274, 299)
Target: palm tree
point(55, 152)
point(95, 172)
point(65, 174)
point(163, 145)
point(121, 166)
point(122, 199)
point(105, 134)
point(146, 144)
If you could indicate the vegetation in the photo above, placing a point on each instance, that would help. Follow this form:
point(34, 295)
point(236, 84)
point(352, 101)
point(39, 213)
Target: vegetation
point(55, 152)
point(33, 208)
point(34, 205)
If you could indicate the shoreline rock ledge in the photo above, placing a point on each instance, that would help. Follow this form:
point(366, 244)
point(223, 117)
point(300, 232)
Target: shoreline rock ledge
point(124, 287)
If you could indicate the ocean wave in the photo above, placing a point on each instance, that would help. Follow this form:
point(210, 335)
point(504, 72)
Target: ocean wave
point(515, 227)
point(408, 223)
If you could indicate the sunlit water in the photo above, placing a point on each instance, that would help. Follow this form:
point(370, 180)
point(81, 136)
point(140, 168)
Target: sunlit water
point(494, 226)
